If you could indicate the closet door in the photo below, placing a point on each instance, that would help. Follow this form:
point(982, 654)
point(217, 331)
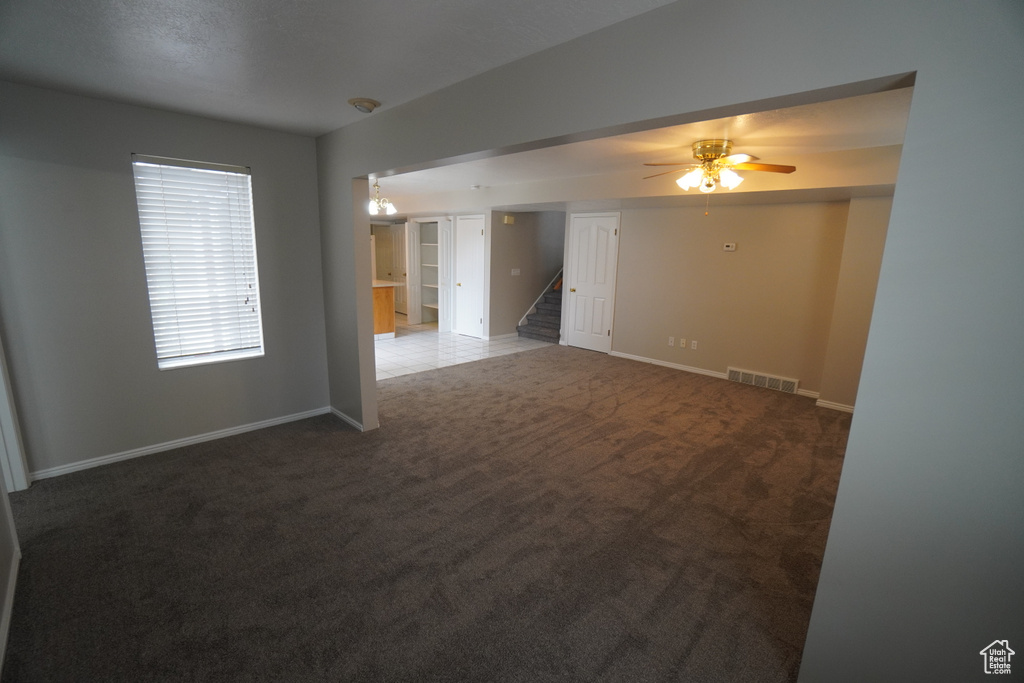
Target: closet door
point(445, 252)
point(412, 259)
point(400, 268)
point(469, 276)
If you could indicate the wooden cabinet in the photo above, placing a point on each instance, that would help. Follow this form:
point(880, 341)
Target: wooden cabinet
point(383, 309)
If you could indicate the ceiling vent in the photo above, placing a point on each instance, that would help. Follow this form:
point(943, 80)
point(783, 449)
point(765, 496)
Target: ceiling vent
point(759, 379)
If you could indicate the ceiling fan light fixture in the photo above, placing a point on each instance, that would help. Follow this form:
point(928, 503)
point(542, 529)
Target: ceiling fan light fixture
point(715, 166)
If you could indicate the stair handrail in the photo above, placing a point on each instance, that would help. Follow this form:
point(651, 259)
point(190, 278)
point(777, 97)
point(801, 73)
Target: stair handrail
point(533, 308)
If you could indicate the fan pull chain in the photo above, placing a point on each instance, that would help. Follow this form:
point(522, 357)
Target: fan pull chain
point(707, 203)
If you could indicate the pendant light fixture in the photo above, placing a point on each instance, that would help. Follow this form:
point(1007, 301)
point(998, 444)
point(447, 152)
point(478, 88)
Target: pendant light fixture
point(380, 204)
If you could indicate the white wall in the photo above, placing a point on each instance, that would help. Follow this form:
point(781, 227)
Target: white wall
point(793, 300)
point(923, 557)
point(863, 245)
point(73, 297)
point(764, 307)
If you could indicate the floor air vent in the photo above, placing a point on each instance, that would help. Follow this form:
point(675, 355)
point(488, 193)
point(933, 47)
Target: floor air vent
point(758, 379)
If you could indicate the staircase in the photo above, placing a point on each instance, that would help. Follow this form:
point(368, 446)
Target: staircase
point(544, 325)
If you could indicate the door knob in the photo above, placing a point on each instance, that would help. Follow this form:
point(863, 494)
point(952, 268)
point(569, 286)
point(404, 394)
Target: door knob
point(458, 284)
point(573, 289)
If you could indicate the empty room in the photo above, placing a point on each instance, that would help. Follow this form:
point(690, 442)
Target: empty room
point(625, 508)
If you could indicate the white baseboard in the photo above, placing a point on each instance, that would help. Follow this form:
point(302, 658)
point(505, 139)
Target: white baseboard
point(170, 445)
point(8, 606)
point(722, 375)
point(666, 364)
point(834, 406)
point(345, 418)
point(499, 337)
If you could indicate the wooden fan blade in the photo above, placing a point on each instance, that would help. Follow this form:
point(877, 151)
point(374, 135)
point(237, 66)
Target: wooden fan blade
point(733, 159)
point(662, 173)
point(680, 163)
point(771, 168)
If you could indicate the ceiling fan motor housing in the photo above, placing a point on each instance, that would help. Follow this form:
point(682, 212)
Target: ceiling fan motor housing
point(709, 150)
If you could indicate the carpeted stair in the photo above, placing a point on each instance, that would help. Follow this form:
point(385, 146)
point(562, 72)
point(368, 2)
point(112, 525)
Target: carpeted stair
point(545, 324)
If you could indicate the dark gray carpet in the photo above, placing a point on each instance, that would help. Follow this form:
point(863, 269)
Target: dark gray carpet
point(555, 515)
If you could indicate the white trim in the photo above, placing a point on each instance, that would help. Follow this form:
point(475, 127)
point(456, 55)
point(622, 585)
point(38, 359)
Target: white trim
point(675, 366)
point(170, 445)
point(12, 449)
point(345, 418)
point(510, 335)
point(8, 606)
point(831, 405)
point(722, 375)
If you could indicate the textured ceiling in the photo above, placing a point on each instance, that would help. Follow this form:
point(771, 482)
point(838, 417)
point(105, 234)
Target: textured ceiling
point(285, 64)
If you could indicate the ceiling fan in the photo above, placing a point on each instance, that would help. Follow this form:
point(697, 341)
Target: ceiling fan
point(717, 165)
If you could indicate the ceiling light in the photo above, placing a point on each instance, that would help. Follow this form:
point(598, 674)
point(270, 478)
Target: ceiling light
point(731, 179)
point(691, 179)
point(708, 175)
point(379, 204)
point(364, 104)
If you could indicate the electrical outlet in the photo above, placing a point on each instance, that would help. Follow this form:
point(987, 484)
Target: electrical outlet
point(693, 345)
point(682, 343)
point(671, 341)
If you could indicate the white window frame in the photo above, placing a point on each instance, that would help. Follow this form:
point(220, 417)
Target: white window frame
point(199, 246)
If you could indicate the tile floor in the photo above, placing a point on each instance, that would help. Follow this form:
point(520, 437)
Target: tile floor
point(416, 348)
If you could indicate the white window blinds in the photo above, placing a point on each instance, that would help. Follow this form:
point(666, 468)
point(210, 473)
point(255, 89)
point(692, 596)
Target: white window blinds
point(199, 245)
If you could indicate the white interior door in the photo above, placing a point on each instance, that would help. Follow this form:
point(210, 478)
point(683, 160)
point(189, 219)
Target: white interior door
point(400, 268)
point(445, 251)
point(593, 252)
point(373, 255)
point(414, 277)
point(469, 276)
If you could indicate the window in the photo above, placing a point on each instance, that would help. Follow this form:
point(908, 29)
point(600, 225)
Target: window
point(199, 244)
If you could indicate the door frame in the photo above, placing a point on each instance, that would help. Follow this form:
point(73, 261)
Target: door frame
point(12, 450)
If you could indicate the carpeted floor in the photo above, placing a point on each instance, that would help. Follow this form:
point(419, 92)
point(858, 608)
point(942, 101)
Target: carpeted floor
point(555, 515)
